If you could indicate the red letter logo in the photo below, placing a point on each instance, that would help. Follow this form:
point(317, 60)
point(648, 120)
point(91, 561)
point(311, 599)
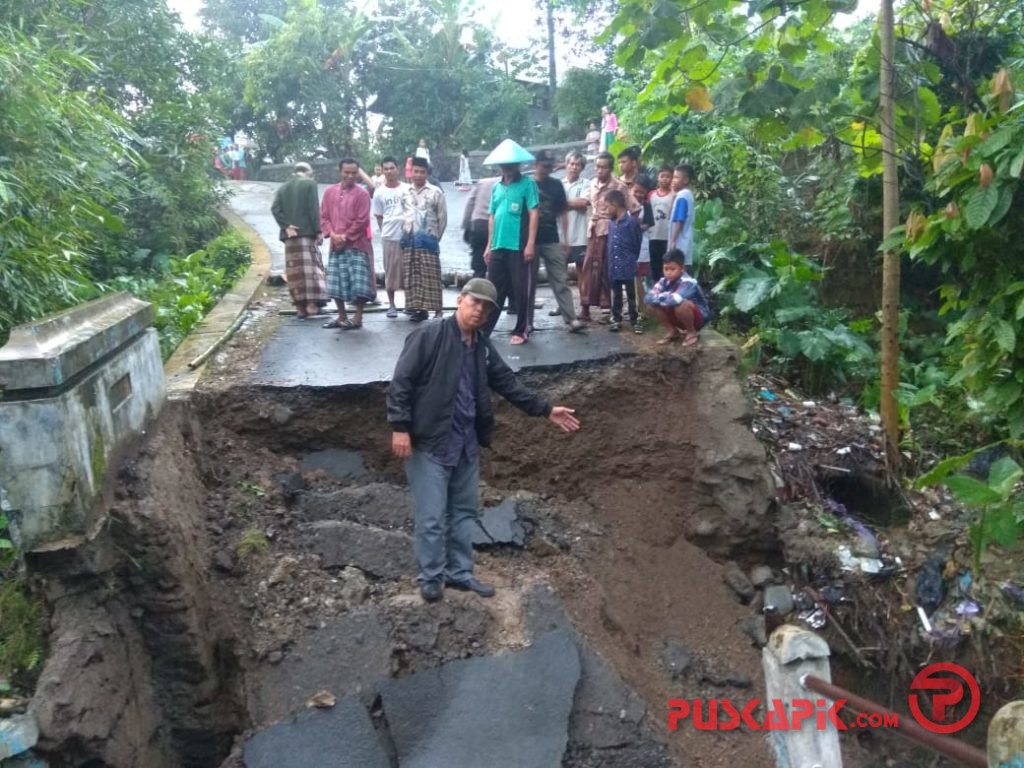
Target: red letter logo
point(948, 691)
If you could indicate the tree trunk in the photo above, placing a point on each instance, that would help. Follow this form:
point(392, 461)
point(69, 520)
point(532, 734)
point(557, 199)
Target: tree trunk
point(890, 374)
point(552, 72)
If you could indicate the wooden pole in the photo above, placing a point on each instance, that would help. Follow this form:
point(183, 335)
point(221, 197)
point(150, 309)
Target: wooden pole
point(791, 654)
point(890, 373)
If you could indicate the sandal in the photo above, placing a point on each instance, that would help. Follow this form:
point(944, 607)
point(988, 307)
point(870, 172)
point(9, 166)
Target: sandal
point(638, 330)
point(517, 340)
point(690, 340)
point(335, 323)
point(348, 325)
point(669, 339)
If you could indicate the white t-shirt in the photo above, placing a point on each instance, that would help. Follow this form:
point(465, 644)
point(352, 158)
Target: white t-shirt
point(387, 203)
point(661, 206)
point(578, 220)
point(684, 209)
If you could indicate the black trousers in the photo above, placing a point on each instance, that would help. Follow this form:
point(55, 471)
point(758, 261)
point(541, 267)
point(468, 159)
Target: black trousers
point(477, 246)
point(658, 250)
point(515, 280)
point(630, 286)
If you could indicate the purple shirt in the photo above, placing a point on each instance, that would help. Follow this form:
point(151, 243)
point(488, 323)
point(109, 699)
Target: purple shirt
point(346, 211)
point(462, 438)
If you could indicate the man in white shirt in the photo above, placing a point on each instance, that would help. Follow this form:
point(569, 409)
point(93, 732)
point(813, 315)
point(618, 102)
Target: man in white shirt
point(387, 208)
point(576, 195)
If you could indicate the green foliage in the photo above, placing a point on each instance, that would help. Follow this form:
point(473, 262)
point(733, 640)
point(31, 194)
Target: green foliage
point(253, 542)
point(996, 502)
point(189, 286)
point(580, 97)
point(774, 288)
point(21, 629)
point(62, 182)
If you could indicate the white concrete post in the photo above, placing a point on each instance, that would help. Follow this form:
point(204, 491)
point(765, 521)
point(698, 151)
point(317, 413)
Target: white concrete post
point(1006, 737)
point(793, 652)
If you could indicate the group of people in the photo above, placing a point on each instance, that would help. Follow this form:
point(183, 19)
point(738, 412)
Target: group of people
point(231, 161)
point(618, 231)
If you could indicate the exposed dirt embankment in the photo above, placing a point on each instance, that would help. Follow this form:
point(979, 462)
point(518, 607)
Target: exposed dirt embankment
point(236, 575)
point(141, 670)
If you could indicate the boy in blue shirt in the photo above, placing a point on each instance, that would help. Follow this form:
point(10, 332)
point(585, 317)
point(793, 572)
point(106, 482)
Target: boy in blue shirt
point(678, 301)
point(622, 251)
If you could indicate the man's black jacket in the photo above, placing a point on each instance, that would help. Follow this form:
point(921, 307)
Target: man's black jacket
point(421, 397)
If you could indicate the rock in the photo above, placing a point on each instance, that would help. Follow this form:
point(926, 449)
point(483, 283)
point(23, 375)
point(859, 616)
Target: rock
point(384, 554)
point(607, 714)
point(348, 654)
point(224, 561)
point(450, 716)
point(760, 575)
point(704, 529)
point(380, 504)
point(543, 547)
point(336, 463)
point(754, 628)
point(737, 581)
point(344, 732)
point(500, 525)
point(778, 600)
point(26, 760)
point(282, 570)
point(18, 734)
point(291, 484)
point(675, 658)
point(724, 679)
point(280, 414)
point(275, 657)
point(354, 587)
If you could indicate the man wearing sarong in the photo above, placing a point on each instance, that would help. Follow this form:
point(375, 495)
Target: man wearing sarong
point(344, 220)
point(593, 280)
point(296, 209)
point(426, 216)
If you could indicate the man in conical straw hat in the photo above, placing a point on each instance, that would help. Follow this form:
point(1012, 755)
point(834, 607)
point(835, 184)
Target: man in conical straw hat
point(511, 238)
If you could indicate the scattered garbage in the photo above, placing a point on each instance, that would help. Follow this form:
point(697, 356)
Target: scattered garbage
point(930, 588)
point(768, 395)
point(814, 618)
point(1013, 591)
point(322, 700)
point(850, 562)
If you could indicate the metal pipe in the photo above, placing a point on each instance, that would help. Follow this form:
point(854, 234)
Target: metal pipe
point(906, 727)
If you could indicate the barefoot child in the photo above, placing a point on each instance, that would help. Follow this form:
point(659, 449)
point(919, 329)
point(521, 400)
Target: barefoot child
point(678, 302)
point(622, 253)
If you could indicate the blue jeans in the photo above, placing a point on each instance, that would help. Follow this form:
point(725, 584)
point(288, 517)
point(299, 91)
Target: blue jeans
point(447, 506)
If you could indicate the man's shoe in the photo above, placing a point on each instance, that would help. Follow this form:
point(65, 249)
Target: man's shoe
point(432, 591)
point(482, 588)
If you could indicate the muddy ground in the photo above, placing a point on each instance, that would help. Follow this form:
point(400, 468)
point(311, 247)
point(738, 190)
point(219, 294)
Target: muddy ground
point(226, 588)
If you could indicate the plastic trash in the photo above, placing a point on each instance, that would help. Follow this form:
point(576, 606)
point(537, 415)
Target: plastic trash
point(833, 595)
point(1013, 591)
point(930, 588)
point(844, 451)
point(815, 619)
point(786, 413)
point(795, 447)
point(967, 608)
point(767, 394)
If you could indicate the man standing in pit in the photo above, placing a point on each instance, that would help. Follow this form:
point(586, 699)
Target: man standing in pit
point(388, 207)
point(439, 409)
point(426, 216)
point(296, 210)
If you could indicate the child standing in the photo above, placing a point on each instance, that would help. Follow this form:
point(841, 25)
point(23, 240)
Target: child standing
point(661, 205)
point(621, 255)
point(642, 188)
point(684, 213)
point(678, 302)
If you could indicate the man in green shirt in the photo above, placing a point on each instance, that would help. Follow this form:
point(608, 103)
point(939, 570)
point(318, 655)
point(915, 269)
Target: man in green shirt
point(512, 234)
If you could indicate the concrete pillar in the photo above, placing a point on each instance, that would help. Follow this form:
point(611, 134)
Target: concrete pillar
point(75, 389)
